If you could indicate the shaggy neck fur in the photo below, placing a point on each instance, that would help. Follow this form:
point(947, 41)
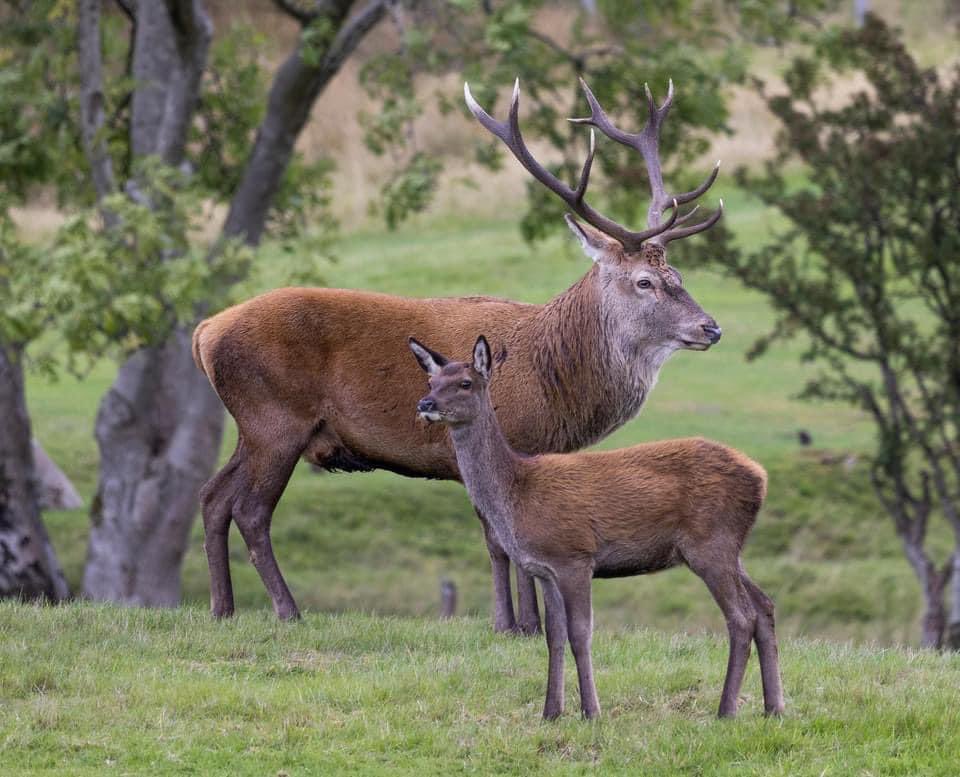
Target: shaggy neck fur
point(488, 466)
point(592, 374)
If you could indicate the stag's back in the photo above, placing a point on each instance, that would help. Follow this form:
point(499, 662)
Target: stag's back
point(333, 365)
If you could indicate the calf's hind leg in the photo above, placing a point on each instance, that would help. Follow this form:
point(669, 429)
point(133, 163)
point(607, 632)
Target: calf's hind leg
point(723, 578)
point(766, 638)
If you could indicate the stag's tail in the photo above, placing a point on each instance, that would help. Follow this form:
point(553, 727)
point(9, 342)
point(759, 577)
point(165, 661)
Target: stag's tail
point(197, 345)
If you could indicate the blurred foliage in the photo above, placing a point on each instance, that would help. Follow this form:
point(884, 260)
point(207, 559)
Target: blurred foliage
point(697, 43)
point(867, 270)
point(113, 290)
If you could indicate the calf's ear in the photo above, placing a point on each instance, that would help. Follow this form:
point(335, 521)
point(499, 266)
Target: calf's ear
point(482, 360)
point(431, 361)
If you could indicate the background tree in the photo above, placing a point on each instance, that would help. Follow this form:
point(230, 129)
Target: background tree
point(134, 111)
point(159, 427)
point(32, 145)
point(867, 271)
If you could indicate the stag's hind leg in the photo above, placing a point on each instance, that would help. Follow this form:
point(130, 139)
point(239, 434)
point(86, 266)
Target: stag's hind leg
point(766, 638)
point(721, 572)
point(528, 611)
point(216, 500)
point(267, 465)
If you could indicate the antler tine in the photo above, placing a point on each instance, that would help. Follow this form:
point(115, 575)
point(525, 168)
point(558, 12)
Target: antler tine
point(674, 234)
point(647, 142)
point(687, 216)
point(509, 133)
point(587, 164)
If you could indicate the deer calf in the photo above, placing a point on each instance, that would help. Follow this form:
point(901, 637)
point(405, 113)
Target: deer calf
point(567, 518)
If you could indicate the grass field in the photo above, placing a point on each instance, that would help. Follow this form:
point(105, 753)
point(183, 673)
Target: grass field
point(100, 690)
point(380, 543)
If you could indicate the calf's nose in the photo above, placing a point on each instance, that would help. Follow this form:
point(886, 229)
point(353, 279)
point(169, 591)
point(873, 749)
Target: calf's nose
point(426, 405)
point(713, 332)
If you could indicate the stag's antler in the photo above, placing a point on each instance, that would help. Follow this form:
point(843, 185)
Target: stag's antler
point(647, 142)
point(509, 132)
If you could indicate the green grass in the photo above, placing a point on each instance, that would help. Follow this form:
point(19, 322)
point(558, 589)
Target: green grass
point(380, 543)
point(101, 690)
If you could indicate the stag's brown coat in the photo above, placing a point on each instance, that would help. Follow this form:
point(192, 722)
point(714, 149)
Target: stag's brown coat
point(323, 373)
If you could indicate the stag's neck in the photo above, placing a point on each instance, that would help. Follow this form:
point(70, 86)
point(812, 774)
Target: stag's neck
point(592, 377)
point(488, 467)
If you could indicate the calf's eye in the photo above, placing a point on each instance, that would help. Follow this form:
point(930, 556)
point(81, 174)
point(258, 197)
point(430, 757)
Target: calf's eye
point(644, 283)
point(465, 384)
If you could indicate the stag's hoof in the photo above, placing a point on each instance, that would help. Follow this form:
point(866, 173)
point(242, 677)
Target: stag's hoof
point(529, 629)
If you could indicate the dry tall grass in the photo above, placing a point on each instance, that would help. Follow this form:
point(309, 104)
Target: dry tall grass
point(334, 130)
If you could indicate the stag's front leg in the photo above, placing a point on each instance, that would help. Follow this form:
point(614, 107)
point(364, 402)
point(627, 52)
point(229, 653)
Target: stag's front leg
point(503, 617)
point(529, 616)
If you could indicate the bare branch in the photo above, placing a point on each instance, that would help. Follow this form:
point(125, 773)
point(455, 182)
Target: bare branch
point(352, 33)
point(129, 8)
point(296, 11)
point(295, 88)
point(92, 115)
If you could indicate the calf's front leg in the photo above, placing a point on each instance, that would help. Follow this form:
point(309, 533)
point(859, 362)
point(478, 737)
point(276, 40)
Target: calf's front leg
point(556, 622)
point(579, 612)
point(503, 617)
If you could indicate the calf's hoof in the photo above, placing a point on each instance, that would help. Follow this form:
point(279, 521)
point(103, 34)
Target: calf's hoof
point(288, 614)
point(221, 611)
point(551, 712)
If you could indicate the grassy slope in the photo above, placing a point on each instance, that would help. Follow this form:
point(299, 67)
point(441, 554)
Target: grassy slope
point(100, 690)
point(380, 542)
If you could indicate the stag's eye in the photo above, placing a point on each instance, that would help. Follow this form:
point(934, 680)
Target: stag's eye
point(644, 283)
point(465, 384)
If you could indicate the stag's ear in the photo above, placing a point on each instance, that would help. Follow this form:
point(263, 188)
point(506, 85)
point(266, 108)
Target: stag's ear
point(431, 361)
point(482, 360)
point(595, 244)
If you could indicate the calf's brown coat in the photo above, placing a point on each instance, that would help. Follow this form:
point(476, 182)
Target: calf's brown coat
point(567, 518)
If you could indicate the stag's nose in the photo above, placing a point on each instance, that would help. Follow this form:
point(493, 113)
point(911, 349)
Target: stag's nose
point(426, 405)
point(713, 332)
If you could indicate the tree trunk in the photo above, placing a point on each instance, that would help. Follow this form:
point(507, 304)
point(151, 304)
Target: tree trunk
point(29, 568)
point(952, 639)
point(159, 429)
point(160, 425)
point(860, 8)
point(54, 489)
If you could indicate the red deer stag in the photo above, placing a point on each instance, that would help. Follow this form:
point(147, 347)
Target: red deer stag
point(321, 373)
point(567, 518)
